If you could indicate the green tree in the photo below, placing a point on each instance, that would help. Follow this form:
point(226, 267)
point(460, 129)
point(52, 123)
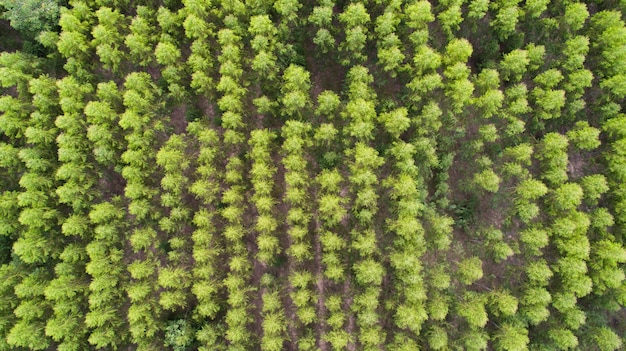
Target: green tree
point(487, 180)
point(29, 329)
point(321, 16)
point(458, 50)
point(107, 37)
point(584, 136)
point(355, 18)
point(419, 14)
point(514, 65)
point(531, 189)
point(535, 239)
point(563, 339)
point(288, 9)
point(506, 21)
point(470, 270)
point(512, 337)
point(178, 335)
point(472, 308)
point(534, 8)
point(606, 339)
point(575, 16)
point(31, 17)
point(437, 338)
point(141, 39)
point(503, 303)
point(167, 53)
point(451, 18)
point(295, 89)
point(553, 154)
point(477, 9)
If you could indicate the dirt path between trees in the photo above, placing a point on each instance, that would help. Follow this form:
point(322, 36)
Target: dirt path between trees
point(321, 287)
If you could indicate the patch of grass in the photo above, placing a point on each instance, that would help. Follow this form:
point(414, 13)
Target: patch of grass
point(465, 212)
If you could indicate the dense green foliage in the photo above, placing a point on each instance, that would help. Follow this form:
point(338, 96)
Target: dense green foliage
point(317, 175)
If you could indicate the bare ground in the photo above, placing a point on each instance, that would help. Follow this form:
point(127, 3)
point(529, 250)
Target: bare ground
point(351, 325)
point(208, 109)
point(178, 120)
point(282, 208)
point(258, 269)
point(326, 74)
point(321, 289)
point(111, 184)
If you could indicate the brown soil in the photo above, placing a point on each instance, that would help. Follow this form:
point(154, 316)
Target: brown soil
point(111, 184)
point(178, 120)
point(207, 108)
point(258, 269)
point(351, 323)
point(577, 165)
point(281, 210)
point(154, 71)
point(326, 74)
point(321, 288)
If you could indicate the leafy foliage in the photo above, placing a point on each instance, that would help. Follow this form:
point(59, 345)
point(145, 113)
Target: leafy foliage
point(240, 175)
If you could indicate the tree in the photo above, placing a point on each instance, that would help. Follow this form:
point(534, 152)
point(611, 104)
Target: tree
point(550, 102)
point(339, 339)
point(168, 20)
point(470, 270)
point(534, 8)
point(295, 89)
point(606, 339)
point(107, 37)
point(288, 9)
point(369, 272)
point(487, 180)
point(178, 334)
point(535, 239)
point(31, 17)
point(327, 103)
point(141, 40)
point(584, 136)
point(568, 196)
point(503, 303)
point(195, 27)
point(531, 189)
point(506, 21)
point(419, 14)
point(391, 59)
point(564, 339)
point(324, 39)
point(437, 338)
point(478, 9)
point(514, 64)
point(606, 256)
point(575, 16)
point(458, 50)
point(460, 92)
point(355, 15)
point(321, 16)
point(396, 121)
point(615, 86)
point(553, 154)
point(451, 19)
point(575, 50)
point(512, 337)
point(29, 335)
point(167, 53)
point(472, 308)
point(355, 19)
point(29, 330)
point(491, 102)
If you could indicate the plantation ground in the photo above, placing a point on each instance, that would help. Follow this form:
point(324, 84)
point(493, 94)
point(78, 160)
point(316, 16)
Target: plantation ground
point(383, 175)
